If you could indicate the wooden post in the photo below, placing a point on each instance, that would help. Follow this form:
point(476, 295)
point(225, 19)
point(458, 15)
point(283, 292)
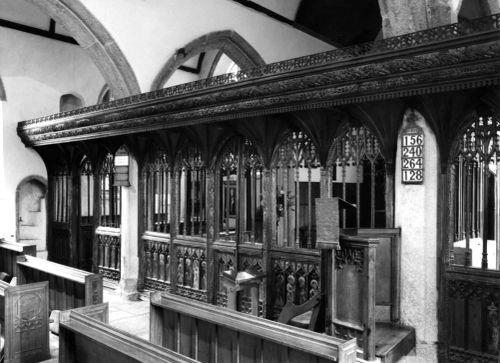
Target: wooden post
point(212, 231)
point(268, 221)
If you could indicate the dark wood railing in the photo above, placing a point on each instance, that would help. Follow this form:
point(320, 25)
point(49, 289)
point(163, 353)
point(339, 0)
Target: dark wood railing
point(211, 334)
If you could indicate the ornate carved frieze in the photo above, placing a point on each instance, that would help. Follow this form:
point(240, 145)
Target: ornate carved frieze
point(446, 63)
point(473, 290)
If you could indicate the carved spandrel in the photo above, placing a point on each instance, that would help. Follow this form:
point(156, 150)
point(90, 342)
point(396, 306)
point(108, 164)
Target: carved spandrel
point(349, 256)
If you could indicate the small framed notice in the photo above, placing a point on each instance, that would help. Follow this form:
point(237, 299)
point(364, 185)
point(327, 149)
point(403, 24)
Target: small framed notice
point(412, 155)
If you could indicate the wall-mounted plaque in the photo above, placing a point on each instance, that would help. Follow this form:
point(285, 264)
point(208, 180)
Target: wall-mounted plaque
point(412, 155)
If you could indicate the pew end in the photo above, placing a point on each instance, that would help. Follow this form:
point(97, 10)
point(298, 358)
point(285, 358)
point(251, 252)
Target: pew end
point(26, 321)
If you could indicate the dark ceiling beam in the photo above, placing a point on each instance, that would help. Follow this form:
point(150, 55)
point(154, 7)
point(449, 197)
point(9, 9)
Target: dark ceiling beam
point(51, 34)
point(282, 19)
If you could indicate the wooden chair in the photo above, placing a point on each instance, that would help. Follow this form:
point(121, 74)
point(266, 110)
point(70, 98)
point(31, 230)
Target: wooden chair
point(303, 316)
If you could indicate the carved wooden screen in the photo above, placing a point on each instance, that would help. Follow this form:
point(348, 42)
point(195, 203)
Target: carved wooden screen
point(297, 175)
point(191, 208)
point(158, 193)
point(110, 195)
point(59, 242)
point(476, 185)
point(472, 279)
point(240, 194)
point(61, 189)
point(357, 172)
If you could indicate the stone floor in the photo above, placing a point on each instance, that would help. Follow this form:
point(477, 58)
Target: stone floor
point(130, 316)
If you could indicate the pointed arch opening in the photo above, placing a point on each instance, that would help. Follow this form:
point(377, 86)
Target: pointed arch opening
point(210, 55)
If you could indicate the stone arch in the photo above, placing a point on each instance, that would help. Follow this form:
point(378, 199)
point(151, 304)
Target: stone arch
point(3, 95)
point(97, 42)
point(228, 41)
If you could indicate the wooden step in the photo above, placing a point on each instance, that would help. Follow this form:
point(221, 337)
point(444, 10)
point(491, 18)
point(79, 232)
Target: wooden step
point(393, 341)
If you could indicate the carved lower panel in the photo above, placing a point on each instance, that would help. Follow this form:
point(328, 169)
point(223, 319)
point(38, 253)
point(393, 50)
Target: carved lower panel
point(473, 316)
point(293, 281)
point(191, 267)
point(465, 356)
point(110, 274)
point(192, 293)
point(221, 299)
point(246, 306)
point(155, 284)
point(109, 256)
point(472, 290)
point(158, 264)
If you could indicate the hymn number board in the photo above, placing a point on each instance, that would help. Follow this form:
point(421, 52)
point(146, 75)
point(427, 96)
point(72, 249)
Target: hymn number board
point(412, 155)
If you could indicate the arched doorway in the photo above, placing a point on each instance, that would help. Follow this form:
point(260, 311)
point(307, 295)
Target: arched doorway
point(31, 214)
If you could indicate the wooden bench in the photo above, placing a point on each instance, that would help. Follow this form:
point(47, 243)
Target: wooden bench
point(25, 317)
point(9, 252)
point(211, 334)
point(68, 287)
point(84, 338)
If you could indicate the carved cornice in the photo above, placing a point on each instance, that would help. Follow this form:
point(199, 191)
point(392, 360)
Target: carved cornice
point(320, 80)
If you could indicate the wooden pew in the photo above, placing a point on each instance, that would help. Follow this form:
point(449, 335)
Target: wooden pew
point(25, 317)
point(212, 334)
point(68, 287)
point(85, 339)
point(9, 252)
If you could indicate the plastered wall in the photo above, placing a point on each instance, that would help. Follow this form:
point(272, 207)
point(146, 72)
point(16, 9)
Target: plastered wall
point(36, 72)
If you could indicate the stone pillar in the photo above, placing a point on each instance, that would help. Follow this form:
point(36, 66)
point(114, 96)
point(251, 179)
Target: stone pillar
point(129, 235)
point(409, 16)
point(416, 215)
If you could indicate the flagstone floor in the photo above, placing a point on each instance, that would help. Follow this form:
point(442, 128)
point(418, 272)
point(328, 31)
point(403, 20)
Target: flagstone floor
point(130, 316)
